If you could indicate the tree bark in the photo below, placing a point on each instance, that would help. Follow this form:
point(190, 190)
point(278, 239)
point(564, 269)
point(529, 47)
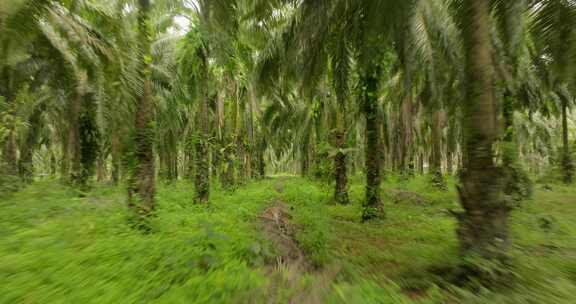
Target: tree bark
point(406, 155)
point(89, 137)
point(567, 166)
point(26, 164)
point(9, 155)
point(451, 146)
point(304, 160)
point(116, 159)
point(74, 153)
point(372, 206)
point(483, 226)
point(101, 171)
point(261, 161)
point(340, 174)
point(202, 166)
point(53, 162)
point(9, 149)
point(142, 188)
point(239, 132)
point(436, 160)
point(65, 161)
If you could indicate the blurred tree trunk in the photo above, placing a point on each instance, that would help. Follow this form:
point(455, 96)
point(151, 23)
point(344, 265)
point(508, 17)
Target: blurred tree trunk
point(101, 171)
point(421, 160)
point(116, 158)
point(89, 137)
point(9, 149)
point(142, 185)
point(406, 139)
point(436, 160)
point(239, 131)
point(261, 161)
point(65, 161)
point(567, 166)
point(74, 153)
point(202, 163)
point(9, 155)
point(251, 171)
point(372, 206)
point(53, 162)
point(483, 225)
point(229, 137)
point(340, 171)
point(451, 146)
point(304, 160)
point(26, 165)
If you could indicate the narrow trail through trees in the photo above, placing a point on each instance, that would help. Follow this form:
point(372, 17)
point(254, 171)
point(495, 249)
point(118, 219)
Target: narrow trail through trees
point(291, 263)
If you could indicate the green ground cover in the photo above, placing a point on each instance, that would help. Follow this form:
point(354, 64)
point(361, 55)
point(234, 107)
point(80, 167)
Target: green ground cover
point(58, 248)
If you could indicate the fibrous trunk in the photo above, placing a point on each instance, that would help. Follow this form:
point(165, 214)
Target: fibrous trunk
point(116, 159)
point(26, 165)
point(405, 142)
point(74, 138)
point(438, 180)
point(567, 166)
point(142, 186)
point(483, 225)
point(372, 207)
point(202, 164)
point(89, 137)
point(341, 187)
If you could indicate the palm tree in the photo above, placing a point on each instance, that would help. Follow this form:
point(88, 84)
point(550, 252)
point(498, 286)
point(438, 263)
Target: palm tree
point(483, 227)
point(194, 72)
point(68, 40)
point(142, 185)
point(555, 36)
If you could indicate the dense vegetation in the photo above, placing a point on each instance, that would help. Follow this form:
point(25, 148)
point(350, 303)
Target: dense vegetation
point(311, 151)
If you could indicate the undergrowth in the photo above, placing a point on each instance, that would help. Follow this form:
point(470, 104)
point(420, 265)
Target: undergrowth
point(56, 247)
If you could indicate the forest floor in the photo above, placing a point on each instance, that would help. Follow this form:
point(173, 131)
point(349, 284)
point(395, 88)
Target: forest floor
point(279, 240)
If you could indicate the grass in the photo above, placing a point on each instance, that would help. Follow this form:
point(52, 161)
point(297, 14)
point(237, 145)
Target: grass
point(56, 248)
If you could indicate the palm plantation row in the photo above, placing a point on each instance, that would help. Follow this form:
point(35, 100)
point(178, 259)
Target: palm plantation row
point(118, 90)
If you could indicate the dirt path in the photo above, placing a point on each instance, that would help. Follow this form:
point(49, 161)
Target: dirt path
point(291, 263)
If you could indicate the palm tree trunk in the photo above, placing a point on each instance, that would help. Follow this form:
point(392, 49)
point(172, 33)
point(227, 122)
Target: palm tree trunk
point(26, 165)
point(304, 160)
point(436, 163)
point(53, 162)
point(101, 169)
point(567, 166)
point(239, 131)
point(421, 159)
point(341, 189)
point(65, 161)
point(74, 152)
point(261, 161)
point(202, 180)
point(252, 158)
point(142, 186)
point(116, 160)
point(483, 225)
point(9, 149)
point(9, 155)
point(406, 155)
point(451, 146)
point(89, 136)
point(372, 206)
